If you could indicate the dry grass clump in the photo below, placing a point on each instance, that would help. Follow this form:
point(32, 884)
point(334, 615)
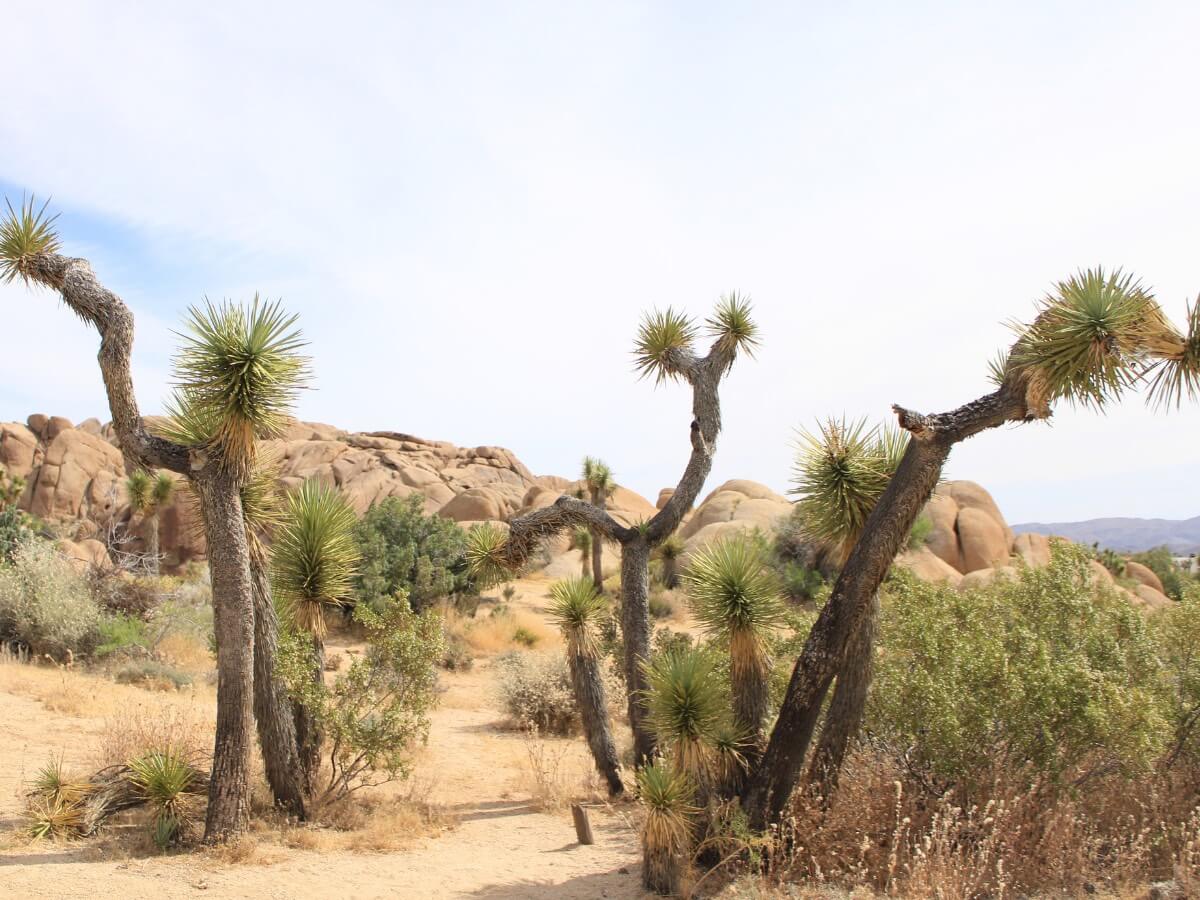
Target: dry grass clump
point(136, 728)
point(502, 630)
point(372, 822)
point(554, 775)
point(886, 830)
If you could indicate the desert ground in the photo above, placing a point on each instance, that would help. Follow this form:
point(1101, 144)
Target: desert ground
point(485, 813)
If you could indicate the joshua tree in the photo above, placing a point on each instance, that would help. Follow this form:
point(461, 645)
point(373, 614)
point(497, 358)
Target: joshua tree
point(664, 349)
point(237, 373)
point(147, 496)
point(671, 814)
point(736, 599)
point(1092, 338)
point(315, 561)
point(839, 476)
point(581, 540)
point(669, 552)
point(575, 607)
point(598, 479)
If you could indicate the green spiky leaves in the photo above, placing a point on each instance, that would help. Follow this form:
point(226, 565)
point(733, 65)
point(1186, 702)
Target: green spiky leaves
point(315, 557)
point(732, 326)
point(165, 780)
point(25, 234)
point(664, 338)
point(598, 477)
point(687, 704)
point(575, 607)
point(238, 373)
point(1091, 333)
point(487, 554)
point(1178, 369)
point(669, 797)
point(148, 493)
point(732, 590)
point(839, 475)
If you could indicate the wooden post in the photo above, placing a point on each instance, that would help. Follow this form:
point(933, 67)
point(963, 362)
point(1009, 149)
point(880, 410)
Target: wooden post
point(583, 828)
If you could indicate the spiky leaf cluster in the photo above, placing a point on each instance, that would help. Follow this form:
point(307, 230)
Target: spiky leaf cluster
point(238, 373)
point(732, 590)
point(486, 554)
point(1090, 335)
point(148, 493)
point(576, 608)
point(314, 555)
point(839, 474)
point(25, 233)
point(1178, 368)
point(662, 336)
point(598, 477)
point(732, 327)
point(165, 780)
point(687, 705)
point(669, 797)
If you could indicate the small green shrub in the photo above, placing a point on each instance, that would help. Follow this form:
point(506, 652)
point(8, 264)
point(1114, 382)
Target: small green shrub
point(798, 583)
point(153, 674)
point(405, 550)
point(524, 636)
point(14, 531)
point(45, 603)
point(508, 593)
point(920, 531)
point(120, 634)
point(1162, 563)
point(536, 692)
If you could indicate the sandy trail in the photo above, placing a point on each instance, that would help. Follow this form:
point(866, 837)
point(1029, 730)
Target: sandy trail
point(500, 845)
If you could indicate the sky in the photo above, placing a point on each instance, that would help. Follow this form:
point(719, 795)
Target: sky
point(470, 206)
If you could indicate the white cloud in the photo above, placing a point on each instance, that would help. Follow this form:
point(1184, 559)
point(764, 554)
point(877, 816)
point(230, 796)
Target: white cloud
point(471, 205)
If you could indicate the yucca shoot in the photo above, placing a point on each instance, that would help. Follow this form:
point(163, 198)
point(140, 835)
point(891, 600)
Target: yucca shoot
point(668, 797)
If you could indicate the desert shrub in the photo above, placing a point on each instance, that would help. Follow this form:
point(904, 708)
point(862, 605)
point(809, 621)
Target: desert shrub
point(14, 531)
point(120, 634)
point(45, 603)
point(1177, 630)
point(130, 595)
point(535, 692)
point(524, 636)
point(377, 711)
point(152, 674)
point(660, 605)
point(1043, 671)
point(510, 591)
point(798, 582)
point(1161, 562)
point(457, 656)
point(919, 533)
point(405, 550)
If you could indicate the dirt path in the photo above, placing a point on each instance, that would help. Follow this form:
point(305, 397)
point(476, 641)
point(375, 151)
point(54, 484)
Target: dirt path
point(498, 846)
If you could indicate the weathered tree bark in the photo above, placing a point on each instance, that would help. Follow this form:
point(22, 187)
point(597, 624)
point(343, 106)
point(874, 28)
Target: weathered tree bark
point(635, 632)
point(152, 543)
point(771, 784)
point(845, 714)
point(272, 706)
point(593, 711)
point(308, 732)
point(233, 623)
point(750, 685)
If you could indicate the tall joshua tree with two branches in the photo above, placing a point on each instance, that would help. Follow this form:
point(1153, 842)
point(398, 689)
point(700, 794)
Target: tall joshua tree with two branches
point(1095, 336)
point(665, 350)
point(599, 482)
point(237, 372)
point(148, 494)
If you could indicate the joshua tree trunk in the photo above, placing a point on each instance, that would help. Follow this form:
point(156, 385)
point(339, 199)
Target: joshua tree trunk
point(635, 631)
point(770, 787)
point(751, 688)
point(272, 706)
point(598, 553)
point(308, 732)
point(152, 545)
point(233, 623)
point(845, 714)
point(670, 572)
point(585, 566)
point(593, 710)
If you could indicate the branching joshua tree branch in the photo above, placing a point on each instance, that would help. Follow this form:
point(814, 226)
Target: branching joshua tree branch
point(663, 349)
point(1091, 340)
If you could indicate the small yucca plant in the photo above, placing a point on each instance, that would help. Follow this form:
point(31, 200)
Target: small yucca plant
point(598, 477)
point(576, 608)
point(238, 371)
point(53, 783)
point(315, 557)
point(669, 552)
point(485, 554)
point(25, 234)
point(669, 798)
point(686, 706)
point(164, 780)
point(55, 816)
point(737, 600)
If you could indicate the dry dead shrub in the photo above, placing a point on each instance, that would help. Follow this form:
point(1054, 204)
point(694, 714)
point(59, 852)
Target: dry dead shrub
point(553, 773)
point(132, 731)
point(372, 822)
point(890, 831)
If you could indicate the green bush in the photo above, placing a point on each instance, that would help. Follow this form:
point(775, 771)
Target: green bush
point(45, 604)
point(1044, 671)
point(535, 692)
point(14, 531)
point(660, 605)
point(152, 673)
point(376, 712)
point(920, 531)
point(405, 550)
point(120, 634)
point(524, 636)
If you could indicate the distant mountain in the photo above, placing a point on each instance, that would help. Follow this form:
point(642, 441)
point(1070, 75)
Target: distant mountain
point(1127, 535)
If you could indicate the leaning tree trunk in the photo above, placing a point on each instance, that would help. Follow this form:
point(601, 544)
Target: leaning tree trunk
point(598, 558)
point(848, 706)
point(152, 542)
point(932, 437)
point(593, 711)
point(233, 623)
point(272, 706)
point(635, 631)
point(308, 731)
